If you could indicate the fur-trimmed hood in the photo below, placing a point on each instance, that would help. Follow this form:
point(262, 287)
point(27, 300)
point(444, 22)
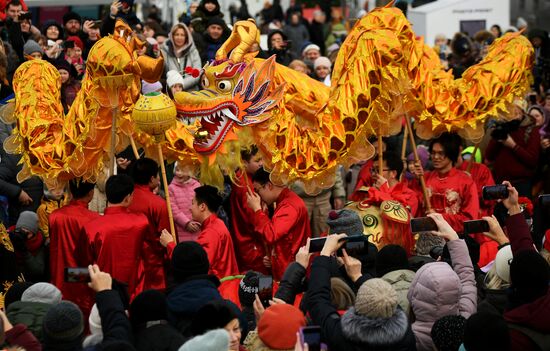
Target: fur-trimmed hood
point(374, 331)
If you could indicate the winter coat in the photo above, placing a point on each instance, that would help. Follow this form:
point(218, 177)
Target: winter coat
point(158, 336)
point(352, 331)
point(528, 320)
point(298, 36)
point(401, 281)
point(188, 297)
point(187, 56)
point(495, 301)
point(181, 196)
point(30, 314)
point(437, 291)
point(20, 336)
point(292, 283)
point(199, 20)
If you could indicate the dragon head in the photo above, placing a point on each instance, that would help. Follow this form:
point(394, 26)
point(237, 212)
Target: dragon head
point(232, 95)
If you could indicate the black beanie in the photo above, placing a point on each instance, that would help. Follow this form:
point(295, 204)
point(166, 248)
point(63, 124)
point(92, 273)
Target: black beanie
point(63, 325)
point(248, 287)
point(216, 20)
point(529, 275)
point(150, 305)
point(213, 315)
point(486, 331)
point(448, 332)
point(391, 258)
point(189, 259)
point(15, 292)
point(71, 16)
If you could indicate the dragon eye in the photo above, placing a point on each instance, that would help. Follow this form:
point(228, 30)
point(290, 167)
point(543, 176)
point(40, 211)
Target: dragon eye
point(204, 82)
point(224, 86)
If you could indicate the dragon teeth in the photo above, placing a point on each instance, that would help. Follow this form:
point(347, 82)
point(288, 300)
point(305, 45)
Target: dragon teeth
point(227, 112)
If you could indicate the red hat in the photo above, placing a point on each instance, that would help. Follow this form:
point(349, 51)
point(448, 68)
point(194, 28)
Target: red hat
point(76, 40)
point(278, 326)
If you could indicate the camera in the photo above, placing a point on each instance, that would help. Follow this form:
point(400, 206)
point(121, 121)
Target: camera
point(502, 130)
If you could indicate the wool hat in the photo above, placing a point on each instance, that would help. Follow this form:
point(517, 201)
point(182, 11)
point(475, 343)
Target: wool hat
point(64, 64)
point(42, 292)
point(448, 332)
point(71, 16)
point(486, 331)
point(322, 61)
point(248, 287)
point(52, 23)
point(391, 258)
point(150, 305)
point(310, 47)
point(216, 20)
point(14, 293)
point(95, 321)
point(189, 259)
point(63, 324)
point(278, 326)
point(502, 262)
point(529, 274)
point(214, 340)
point(147, 88)
point(345, 221)
point(76, 40)
point(341, 295)
point(426, 241)
point(173, 78)
point(213, 315)
point(27, 220)
point(31, 47)
point(376, 298)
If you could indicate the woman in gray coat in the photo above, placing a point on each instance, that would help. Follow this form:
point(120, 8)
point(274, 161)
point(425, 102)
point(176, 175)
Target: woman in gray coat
point(179, 52)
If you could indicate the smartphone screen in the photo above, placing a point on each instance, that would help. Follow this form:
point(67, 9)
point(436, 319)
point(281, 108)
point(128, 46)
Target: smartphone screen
point(265, 290)
point(77, 275)
point(544, 200)
point(312, 337)
point(316, 244)
point(495, 192)
point(423, 224)
point(476, 226)
point(356, 248)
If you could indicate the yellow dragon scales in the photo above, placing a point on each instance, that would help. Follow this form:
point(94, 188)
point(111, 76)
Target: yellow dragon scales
point(304, 129)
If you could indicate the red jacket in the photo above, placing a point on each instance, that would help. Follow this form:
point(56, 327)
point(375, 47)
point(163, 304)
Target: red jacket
point(156, 211)
point(115, 241)
point(249, 247)
point(364, 178)
point(66, 226)
point(454, 196)
point(216, 241)
point(285, 232)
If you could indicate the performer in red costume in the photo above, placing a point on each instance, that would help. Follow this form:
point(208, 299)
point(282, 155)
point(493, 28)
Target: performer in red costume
point(214, 236)
point(452, 192)
point(287, 230)
point(66, 225)
point(114, 241)
point(249, 247)
point(146, 178)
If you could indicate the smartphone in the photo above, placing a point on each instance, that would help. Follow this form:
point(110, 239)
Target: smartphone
point(423, 224)
point(495, 192)
point(544, 200)
point(311, 336)
point(265, 290)
point(476, 226)
point(354, 248)
point(69, 44)
point(77, 275)
point(98, 23)
point(316, 244)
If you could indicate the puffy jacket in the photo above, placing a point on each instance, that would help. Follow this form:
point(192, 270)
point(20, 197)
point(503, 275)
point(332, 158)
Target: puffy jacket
point(181, 196)
point(30, 314)
point(438, 291)
point(401, 280)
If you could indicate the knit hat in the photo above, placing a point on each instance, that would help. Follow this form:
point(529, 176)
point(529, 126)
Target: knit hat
point(248, 287)
point(502, 263)
point(391, 258)
point(322, 61)
point(52, 23)
point(278, 326)
point(214, 340)
point(486, 331)
point(345, 221)
point(147, 88)
point(150, 305)
point(63, 324)
point(213, 315)
point(216, 20)
point(427, 241)
point(529, 274)
point(64, 64)
point(95, 321)
point(310, 47)
point(28, 220)
point(521, 22)
point(15, 292)
point(31, 47)
point(376, 298)
point(189, 259)
point(70, 16)
point(341, 295)
point(448, 332)
point(42, 292)
point(76, 40)
point(173, 78)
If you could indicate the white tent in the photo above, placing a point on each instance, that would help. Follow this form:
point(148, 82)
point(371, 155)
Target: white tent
point(451, 16)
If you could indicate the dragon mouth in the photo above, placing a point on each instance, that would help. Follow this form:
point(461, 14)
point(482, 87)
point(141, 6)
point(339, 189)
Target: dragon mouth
point(215, 123)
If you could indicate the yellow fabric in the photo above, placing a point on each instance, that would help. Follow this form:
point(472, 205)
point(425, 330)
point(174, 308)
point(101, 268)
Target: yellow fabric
point(45, 210)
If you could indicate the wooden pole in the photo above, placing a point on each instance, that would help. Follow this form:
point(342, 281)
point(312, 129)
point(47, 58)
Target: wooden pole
point(472, 159)
point(167, 193)
point(427, 204)
point(404, 151)
point(134, 147)
point(112, 161)
point(380, 155)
